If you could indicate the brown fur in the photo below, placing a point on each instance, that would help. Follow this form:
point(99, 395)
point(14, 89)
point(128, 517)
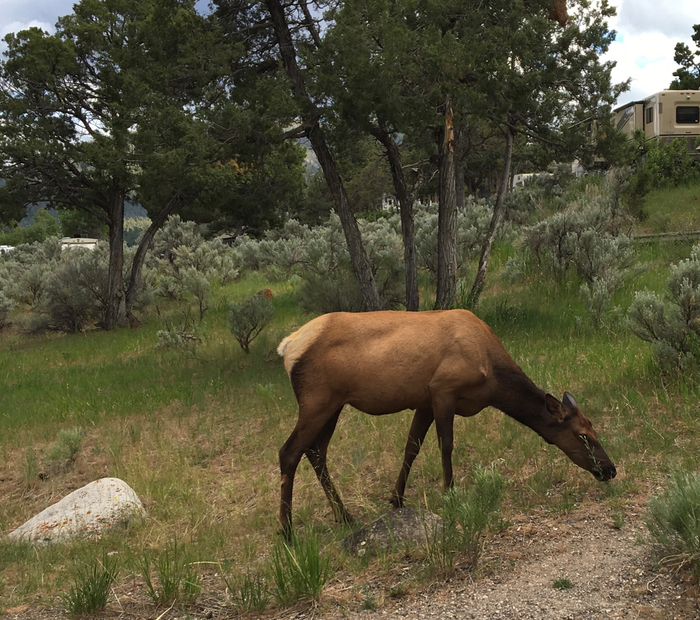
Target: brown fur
point(441, 363)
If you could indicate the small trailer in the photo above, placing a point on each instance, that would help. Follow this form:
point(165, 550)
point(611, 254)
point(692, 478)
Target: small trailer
point(664, 116)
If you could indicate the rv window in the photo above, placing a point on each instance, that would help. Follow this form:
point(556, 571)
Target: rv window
point(687, 114)
point(650, 116)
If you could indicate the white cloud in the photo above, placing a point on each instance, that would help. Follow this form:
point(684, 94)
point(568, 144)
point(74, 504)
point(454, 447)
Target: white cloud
point(674, 17)
point(647, 33)
point(17, 26)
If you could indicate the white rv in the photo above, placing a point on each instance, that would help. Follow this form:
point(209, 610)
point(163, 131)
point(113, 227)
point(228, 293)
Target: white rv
point(665, 116)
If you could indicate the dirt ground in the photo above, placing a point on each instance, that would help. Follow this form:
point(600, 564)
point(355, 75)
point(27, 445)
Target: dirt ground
point(610, 574)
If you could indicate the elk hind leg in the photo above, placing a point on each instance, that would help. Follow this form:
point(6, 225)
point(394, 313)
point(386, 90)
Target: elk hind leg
point(317, 457)
point(422, 420)
point(310, 424)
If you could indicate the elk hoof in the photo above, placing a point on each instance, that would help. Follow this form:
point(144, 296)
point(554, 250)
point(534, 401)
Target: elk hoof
point(396, 501)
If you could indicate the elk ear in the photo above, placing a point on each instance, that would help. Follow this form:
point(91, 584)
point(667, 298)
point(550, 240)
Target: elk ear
point(554, 407)
point(569, 401)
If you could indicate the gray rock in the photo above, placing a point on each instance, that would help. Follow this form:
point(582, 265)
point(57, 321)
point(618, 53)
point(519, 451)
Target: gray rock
point(401, 527)
point(89, 512)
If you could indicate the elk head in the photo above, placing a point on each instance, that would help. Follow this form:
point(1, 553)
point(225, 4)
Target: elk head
point(573, 433)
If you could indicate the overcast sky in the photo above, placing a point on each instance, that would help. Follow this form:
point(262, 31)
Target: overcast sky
point(647, 32)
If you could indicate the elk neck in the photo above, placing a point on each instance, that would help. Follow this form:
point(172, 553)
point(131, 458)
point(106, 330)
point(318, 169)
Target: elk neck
point(518, 397)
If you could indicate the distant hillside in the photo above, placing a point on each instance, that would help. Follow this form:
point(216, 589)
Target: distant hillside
point(131, 210)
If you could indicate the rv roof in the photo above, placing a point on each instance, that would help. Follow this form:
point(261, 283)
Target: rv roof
point(661, 92)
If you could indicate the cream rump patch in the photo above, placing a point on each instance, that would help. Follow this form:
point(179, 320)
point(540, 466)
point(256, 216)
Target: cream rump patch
point(294, 345)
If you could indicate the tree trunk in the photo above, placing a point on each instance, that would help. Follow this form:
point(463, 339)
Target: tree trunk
point(480, 279)
point(360, 262)
point(447, 217)
point(134, 287)
point(459, 168)
point(116, 308)
point(459, 183)
point(406, 210)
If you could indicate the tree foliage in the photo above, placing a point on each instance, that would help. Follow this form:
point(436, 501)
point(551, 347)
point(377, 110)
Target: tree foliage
point(115, 105)
point(688, 74)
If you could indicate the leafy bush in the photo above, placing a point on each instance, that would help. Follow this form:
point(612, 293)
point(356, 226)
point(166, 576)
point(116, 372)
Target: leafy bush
point(672, 326)
point(472, 226)
point(5, 309)
point(76, 292)
point(673, 520)
point(669, 164)
point(67, 445)
point(249, 318)
point(319, 256)
point(184, 264)
point(587, 237)
point(25, 273)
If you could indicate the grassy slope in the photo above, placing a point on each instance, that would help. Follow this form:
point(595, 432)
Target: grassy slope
point(197, 437)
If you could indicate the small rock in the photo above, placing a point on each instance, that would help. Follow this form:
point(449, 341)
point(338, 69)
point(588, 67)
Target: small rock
point(400, 526)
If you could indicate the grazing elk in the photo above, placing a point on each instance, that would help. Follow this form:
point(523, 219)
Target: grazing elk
point(439, 363)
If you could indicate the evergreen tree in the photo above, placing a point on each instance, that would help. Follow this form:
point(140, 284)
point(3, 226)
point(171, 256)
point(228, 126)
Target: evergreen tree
point(688, 75)
point(105, 110)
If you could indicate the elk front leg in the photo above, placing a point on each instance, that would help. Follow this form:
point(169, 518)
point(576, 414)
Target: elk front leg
point(422, 419)
point(444, 425)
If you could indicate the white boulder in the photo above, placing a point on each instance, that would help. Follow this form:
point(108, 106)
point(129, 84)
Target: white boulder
point(89, 512)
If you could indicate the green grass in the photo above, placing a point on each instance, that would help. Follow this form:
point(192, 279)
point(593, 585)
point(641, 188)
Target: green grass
point(672, 210)
point(91, 588)
point(563, 583)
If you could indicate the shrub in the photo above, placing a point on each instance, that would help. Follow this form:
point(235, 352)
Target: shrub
point(67, 445)
point(183, 263)
point(5, 309)
point(71, 302)
point(673, 520)
point(669, 164)
point(26, 283)
point(587, 238)
point(672, 326)
point(249, 318)
point(472, 226)
point(319, 256)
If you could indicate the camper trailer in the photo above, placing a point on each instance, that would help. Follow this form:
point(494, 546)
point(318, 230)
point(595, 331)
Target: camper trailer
point(665, 116)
